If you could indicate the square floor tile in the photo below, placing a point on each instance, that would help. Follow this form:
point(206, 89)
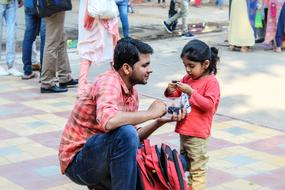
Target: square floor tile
point(58, 104)
point(217, 177)
point(51, 139)
point(237, 131)
point(36, 174)
point(241, 184)
point(268, 179)
point(240, 160)
point(21, 149)
point(5, 134)
point(16, 110)
point(36, 124)
point(5, 184)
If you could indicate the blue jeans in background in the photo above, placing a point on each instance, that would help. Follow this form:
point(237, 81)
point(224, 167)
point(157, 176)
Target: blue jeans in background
point(8, 12)
point(34, 26)
point(123, 10)
point(219, 3)
point(280, 27)
point(107, 160)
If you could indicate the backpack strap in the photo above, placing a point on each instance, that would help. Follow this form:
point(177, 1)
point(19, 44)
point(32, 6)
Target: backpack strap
point(147, 147)
point(180, 170)
point(173, 168)
point(152, 163)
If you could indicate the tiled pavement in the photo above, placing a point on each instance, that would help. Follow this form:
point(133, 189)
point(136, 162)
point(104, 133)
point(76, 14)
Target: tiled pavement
point(243, 156)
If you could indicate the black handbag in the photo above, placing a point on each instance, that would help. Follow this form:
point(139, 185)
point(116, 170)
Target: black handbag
point(46, 8)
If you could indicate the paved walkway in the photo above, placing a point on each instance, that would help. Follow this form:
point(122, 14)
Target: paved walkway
point(242, 155)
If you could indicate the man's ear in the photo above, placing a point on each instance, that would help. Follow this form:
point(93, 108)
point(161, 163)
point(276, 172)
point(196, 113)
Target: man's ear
point(127, 69)
point(206, 64)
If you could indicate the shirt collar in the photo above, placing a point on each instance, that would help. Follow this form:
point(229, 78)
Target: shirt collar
point(123, 84)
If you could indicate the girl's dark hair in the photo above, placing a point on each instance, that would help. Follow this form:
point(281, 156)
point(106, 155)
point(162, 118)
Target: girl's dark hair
point(127, 51)
point(199, 51)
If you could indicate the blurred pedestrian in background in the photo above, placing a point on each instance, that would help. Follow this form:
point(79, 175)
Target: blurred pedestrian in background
point(33, 26)
point(8, 11)
point(123, 11)
point(197, 3)
point(96, 41)
point(182, 13)
point(219, 3)
point(240, 34)
point(280, 29)
point(274, 9)
point(55, 59)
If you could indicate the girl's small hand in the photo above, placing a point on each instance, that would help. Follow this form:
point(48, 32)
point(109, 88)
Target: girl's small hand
point(171, 88)
point(184, 88)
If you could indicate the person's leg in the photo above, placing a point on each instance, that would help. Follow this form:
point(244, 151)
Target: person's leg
point(184, 14)
point(43, 37)
point(63, 65)
point(220, 3)
point(230, 5)
point(197, 152)
point(11, 32)
point(174, 17)
point(2, 11)
point(34, 52)
point(280, 28)
point(50, 51)
point(83, 87)
point(107, 160)
point(123, 10)
point(29, 38)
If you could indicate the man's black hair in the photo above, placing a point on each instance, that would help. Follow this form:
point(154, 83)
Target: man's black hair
point(128, 50)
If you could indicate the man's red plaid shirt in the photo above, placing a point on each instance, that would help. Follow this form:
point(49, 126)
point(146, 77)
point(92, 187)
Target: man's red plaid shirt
point(109, 94)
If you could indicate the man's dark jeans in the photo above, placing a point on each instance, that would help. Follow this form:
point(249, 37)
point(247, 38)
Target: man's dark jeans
point(34, 25)
point(107, 156)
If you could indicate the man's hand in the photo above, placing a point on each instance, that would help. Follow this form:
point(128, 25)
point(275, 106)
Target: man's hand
point(157, 109)
point(184, 88)
point(173, 117)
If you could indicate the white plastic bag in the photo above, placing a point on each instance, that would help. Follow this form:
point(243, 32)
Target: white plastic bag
point(103, 9)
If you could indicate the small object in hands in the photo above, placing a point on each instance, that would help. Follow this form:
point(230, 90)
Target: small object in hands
point(173, 109)
point(175, 81)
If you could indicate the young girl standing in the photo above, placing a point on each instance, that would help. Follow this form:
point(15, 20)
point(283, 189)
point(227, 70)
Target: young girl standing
point(202, 89)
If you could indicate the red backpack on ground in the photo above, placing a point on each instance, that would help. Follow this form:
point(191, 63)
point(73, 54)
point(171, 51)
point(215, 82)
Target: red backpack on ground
point(159, 169)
